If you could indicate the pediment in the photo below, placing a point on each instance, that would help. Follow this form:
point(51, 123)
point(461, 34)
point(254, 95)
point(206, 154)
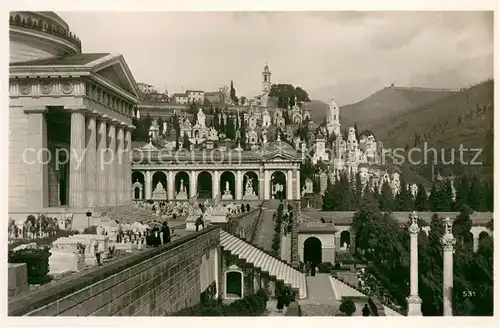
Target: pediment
point(279, 157)
point(114, 69)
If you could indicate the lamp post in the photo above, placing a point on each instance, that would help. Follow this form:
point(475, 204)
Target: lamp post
point(89, 215)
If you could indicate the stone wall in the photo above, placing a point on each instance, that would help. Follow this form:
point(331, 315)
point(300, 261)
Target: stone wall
point(155, 282)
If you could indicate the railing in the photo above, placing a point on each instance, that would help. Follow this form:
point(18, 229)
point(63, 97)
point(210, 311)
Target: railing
point(39, 26)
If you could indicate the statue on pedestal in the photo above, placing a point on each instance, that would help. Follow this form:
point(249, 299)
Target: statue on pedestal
point(227, 193)
point(182, 192)
point(249, 192)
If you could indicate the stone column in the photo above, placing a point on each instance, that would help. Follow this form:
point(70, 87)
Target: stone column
point(101, 177)
point(297, 184)
point(215, 184)
point(266, 185)
point(337, 240)
point(37, 173)
point(448, 242)
point(147, 185)
point(239, 184)
point(111, 159)
point(77, 183)
point(475, 242)
point(261, 184)
point(91, 160)
point(170, 185)
point(127, 167)
point(119, 164)
point(193, 180)
point(289, 185)
point(414, 301)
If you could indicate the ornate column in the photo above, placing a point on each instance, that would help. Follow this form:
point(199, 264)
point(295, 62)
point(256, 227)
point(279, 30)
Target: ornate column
point(289, 185)
point(37, 173)
point(101, 177)
point(91, 160)
point(127, 166)
point(193, 179)
point(297, 184)
point(475, 242)
point(77, 183)
point(147, 185)
point(337, 241)
point(266, 185)
point(215, 184)
point(239, 184)
point(414, 301)
point(119, 164)
point(448, 242)
point(170, 185)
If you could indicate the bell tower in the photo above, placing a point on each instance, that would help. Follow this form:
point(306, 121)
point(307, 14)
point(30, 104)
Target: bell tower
point(266, 79)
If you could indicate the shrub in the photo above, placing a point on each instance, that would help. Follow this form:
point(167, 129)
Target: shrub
point(37, 263)
point(348, 307)
point(325, 267)
point(262, 294)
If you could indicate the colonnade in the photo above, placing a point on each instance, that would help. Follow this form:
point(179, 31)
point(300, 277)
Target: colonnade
point(100, 159)
point(292, 178)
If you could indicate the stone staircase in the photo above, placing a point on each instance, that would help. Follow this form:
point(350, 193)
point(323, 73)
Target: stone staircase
point(260, 259)
point(128, 213)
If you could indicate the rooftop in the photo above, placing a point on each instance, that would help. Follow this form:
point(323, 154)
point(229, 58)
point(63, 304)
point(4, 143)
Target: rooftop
point(68, 60)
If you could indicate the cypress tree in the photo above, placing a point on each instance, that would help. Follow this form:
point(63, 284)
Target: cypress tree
point(185, 142)
point(386, 199)
point(421, 201)
point(243, 132)
point(475, 196)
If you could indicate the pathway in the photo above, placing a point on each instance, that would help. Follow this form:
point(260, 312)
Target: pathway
point(266, 232)
point(320, 299)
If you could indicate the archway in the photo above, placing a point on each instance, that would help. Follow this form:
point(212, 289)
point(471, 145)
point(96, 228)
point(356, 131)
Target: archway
point(138, 185)
point(345, 239)
point(234, 284)
point(278, 185)
point(159, 185)
point(483, 235)
point(253, 192)
point(182, 187)
point(313, 250)
point(227, 179)
point(204, 185)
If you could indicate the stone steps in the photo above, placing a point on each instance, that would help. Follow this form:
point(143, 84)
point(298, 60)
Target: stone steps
point(128, 213)
point(265, 262)
point(341, 289)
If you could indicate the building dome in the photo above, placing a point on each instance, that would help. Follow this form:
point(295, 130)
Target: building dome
point(40, 35)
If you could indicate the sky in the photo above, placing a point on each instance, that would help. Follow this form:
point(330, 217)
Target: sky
point(348, 55)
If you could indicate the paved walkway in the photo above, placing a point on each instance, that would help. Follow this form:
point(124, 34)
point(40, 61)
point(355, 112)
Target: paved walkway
point(266, 232)
point(320, 299)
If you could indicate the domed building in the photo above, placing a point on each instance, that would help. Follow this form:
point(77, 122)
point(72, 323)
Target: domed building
point(66, 108)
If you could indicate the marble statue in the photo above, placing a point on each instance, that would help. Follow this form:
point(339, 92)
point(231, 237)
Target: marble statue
point(249, 192)
point(159, 192)
point(227, 193)
point(182, 195)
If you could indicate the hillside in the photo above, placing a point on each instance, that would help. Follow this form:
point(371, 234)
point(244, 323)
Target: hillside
point(384, 104)
point(318, 110)
point(465, 118)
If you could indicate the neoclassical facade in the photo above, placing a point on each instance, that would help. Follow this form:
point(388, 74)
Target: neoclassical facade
point(270, 173)
point(70, 122)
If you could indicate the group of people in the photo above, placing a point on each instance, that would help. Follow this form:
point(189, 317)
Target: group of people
point(156, 236)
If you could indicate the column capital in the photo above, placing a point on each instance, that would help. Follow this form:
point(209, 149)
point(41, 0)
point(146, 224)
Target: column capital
point(103, 118)
point(130, 127)
point(92, 113)
point(35, 110)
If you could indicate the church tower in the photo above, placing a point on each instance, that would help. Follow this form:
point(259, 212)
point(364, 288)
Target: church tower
point(266, 79)
point(333, 119)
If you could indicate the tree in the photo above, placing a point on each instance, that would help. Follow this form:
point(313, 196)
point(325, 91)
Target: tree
point(356, 131)
point(434, 199)
point(230, 131)
point(348, 307)
point(222, 126)
point(462, 191)
point(421, 202)
point(160, 126)
point(186, 144)
point(243, 132)
point(243, 100)
point(232, 94)
point(403, 200)
point(475, 195)
point(386, 199)
point(301, 95)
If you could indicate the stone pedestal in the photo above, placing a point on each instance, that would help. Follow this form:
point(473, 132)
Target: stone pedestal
point(217, 217)
point(227, 195)
point(448, 242)
point(181, 196)
point(18, 279)
point(414, 301)
point(127, 247)
point(414, 306)
point(251, 197)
